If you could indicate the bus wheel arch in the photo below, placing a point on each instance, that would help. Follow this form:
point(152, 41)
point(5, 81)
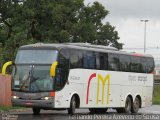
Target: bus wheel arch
point(136, 104)
point(127, 106)
point(77, 100)
point(74, 103)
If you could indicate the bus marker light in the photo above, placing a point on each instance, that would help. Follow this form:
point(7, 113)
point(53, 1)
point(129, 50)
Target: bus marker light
point(52, 94)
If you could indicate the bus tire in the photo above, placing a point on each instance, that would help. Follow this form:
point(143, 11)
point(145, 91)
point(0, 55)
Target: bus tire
point(127, 108)
point(36, 111)
point(128, 105)
point(136, 105)
point(72, 108)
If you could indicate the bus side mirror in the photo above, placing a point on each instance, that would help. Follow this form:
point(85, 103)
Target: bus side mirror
point(4, 68)
point(53, 69)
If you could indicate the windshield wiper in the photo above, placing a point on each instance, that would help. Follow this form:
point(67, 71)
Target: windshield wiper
point(29, 76)
point(33, 80)
point(24, 82)
point(33, 83)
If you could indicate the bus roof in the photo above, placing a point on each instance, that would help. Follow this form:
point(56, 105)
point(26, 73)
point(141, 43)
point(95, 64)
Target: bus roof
point(80, 46)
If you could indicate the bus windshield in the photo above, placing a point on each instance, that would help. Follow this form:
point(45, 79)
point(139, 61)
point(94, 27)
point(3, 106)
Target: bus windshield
point(36, 56)
point(32, 70)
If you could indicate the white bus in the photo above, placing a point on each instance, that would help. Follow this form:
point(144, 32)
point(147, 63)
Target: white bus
point(71, 76)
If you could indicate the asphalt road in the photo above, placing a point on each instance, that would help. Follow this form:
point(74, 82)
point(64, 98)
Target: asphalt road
point(148, 113)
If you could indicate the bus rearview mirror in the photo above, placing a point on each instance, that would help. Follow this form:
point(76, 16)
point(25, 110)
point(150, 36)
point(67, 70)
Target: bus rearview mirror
point(53, 69)
point(4, 68)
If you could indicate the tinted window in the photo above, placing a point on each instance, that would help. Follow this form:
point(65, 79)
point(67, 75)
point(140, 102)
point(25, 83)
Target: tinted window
point(61, 72)
point(36, 56)
point(135, 64)
point(124, 63)
point(143, 63)
point(74, 60)
point(89, 60)
point(74, 57)
point(113, 62)
point(101, 61)
point(150, 65)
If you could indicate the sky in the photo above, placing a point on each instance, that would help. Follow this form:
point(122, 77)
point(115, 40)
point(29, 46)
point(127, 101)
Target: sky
point(126, 16)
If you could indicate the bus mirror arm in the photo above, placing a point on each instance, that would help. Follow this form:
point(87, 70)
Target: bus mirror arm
point(53, 69)
point(4, 68)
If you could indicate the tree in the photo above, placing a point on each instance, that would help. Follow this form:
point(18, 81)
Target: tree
point(108, 36)
point(58, 21)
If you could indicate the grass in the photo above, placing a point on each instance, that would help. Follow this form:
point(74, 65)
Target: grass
point(156, 96)
point(7, 108)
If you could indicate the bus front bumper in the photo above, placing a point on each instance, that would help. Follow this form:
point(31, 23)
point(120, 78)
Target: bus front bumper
point(46, 104)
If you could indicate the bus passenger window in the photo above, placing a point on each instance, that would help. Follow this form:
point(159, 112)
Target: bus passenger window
point(85, 61)
point(74, 61)
point(75, 58)
point(124, 63)
point(102, 62)
point(97, 62)
point(113, 62)
point(62, 71)
point(150, 65)
point(89, 61)
point(135, 64)
point(92, 62)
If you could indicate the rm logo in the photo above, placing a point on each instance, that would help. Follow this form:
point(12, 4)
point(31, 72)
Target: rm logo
point(101, 80)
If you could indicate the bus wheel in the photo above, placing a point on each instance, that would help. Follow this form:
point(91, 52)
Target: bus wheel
point(36, 111)
point(72, 108)
point(127, 108)
point(128, 105)
point(136, 105)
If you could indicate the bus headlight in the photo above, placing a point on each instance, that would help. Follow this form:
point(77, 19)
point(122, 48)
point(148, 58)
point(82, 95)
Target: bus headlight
point(15, 97)
point(46, 98)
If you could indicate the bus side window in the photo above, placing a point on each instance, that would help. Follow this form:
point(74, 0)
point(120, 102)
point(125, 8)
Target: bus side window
point(92, 61)
point(150, 65)
point(135, 64)
point(97, 62)
point(103, 61)
point(113, 62)
point(75, 59)
point(89, 60)
point(61, 72)
point(143, 64)
point(124, 63)
point(85, 61)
